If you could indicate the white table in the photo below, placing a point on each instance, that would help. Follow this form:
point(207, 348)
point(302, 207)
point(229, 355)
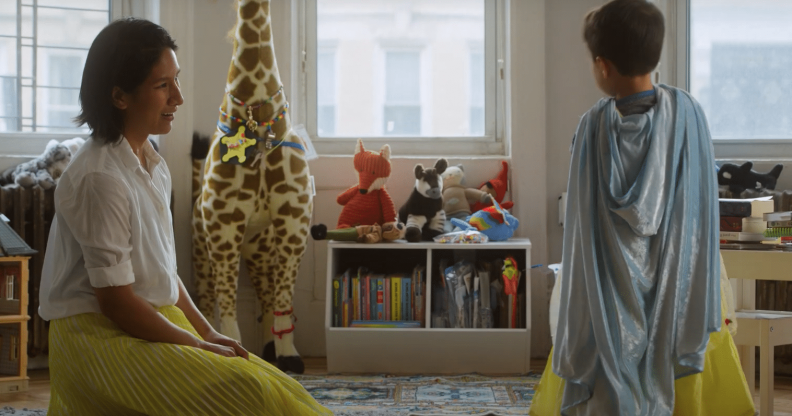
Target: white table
point(766, 330)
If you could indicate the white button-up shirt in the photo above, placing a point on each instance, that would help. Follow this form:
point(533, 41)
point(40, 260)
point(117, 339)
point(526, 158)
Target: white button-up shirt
point(112, 227)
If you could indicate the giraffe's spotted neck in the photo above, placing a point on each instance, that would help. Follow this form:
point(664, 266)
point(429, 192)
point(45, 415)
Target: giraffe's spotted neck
point(253, 76)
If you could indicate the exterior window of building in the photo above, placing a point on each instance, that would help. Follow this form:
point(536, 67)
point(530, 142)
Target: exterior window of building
point(43, 45)
point(403, 72)
point(739, 66)
point(326, 93)
point(402, 109)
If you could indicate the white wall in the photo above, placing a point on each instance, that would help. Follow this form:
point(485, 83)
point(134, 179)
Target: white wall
point(208, 66)
point(551, 87)
point(570, 93)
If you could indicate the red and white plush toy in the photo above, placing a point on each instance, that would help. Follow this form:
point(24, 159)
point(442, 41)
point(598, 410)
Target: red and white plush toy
point(367, 203)
point(497, 188)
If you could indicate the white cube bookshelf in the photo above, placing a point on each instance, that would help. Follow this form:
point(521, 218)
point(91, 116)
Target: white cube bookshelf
point(425, 350)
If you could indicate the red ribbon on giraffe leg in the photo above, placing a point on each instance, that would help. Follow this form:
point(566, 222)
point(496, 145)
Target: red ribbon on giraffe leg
point(289, 312)
point(280, 334)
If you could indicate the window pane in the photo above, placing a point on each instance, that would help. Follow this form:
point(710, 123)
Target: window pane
point(402, 120)
point(326, 93)
point(8, 62)
point(403, 64)
point(51, 53)
point(402, 79)
point(326, 120)
point(76, 4)
point(741, 55)
point(477, 94)
point(72, 28)
point(8, 12)
point(8, 104)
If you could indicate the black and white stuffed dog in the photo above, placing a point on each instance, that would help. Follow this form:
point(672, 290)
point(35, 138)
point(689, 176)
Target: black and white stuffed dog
point(423, 212)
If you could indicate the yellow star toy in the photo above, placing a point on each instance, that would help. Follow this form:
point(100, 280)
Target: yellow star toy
point(237, 144)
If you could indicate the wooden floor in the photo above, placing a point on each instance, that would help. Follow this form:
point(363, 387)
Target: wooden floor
point(37, 397)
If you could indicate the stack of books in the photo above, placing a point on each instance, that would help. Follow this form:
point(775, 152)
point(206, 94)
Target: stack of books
point(364, 299)
point(779, 227)
point(742, 220)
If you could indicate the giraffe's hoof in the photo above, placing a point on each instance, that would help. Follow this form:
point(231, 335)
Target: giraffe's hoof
point(319, 232)
point(291, 363)
point(269, 352)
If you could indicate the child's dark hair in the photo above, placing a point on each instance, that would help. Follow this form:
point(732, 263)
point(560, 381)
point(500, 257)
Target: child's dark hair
point(628, 33)
point(122, 55)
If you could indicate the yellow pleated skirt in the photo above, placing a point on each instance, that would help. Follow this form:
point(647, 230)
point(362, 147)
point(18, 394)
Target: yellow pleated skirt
point(720, 390)
point(98, 369)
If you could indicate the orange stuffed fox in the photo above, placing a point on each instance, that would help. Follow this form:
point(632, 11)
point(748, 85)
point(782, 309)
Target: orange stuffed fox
point(368, 202)
point(368, 215)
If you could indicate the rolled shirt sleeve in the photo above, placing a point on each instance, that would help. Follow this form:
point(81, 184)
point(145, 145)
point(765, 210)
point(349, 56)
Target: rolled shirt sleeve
point(97, 210)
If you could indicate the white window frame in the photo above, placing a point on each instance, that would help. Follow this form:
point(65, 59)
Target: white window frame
point(24, 145)
point(676, 55)
point(492, 143)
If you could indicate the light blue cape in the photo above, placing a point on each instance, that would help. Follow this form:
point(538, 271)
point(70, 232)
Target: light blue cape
point(640, 277)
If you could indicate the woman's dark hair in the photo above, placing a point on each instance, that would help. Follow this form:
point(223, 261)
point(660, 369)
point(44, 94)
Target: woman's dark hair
point(122, 55)
point(628, 33)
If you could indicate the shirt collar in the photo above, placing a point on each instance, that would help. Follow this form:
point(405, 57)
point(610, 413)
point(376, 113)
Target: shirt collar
point(637, 96)
point(131, 161)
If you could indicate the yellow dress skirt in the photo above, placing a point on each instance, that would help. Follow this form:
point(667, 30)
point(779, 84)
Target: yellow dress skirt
point(720, 390)
point(98, 369)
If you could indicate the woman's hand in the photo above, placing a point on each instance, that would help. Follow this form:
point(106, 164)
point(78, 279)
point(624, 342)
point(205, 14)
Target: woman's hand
point(222, 345)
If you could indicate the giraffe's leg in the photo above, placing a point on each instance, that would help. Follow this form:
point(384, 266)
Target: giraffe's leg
point(286, 255)
point(226, 233)
point(204, 283)
point(257, 254)
point(290, 206)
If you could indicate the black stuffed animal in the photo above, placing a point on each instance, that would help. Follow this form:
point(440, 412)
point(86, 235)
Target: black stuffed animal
point(423, 212)
point(740, 178)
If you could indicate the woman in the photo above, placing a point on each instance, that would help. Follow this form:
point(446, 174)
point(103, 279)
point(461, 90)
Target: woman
point(125, 338)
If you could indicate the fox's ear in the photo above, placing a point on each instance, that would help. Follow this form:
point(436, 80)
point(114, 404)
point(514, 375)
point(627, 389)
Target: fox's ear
point(359, 146)
point(385, 152)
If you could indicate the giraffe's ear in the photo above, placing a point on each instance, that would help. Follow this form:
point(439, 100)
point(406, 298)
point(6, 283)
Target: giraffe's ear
point(385, 152)
point(359, 146)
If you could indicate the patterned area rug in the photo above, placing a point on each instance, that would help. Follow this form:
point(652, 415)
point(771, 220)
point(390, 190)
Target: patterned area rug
point(22, 412)
point(422, 395)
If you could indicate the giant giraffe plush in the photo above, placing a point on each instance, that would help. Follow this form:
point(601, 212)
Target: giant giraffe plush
point(258, 209)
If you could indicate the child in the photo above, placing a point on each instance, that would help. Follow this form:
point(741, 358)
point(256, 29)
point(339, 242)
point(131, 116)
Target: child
point(125, 338)
point(640, 331)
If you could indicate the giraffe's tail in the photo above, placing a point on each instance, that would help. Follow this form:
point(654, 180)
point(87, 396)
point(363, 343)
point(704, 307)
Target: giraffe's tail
point(199, 151)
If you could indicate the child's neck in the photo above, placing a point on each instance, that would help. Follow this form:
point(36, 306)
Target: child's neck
point(626, 86)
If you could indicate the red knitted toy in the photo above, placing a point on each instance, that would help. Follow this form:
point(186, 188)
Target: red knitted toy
point(497, 188)
point(368, 202)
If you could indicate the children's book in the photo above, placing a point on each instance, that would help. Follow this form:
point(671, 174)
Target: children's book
point(419, 290)
point(742, 236)
point(731, 223)
point(385, 324)
point(386, 298)
point(356, 298)
point(778, 216)
point(379, 294)
point(346, 288)
point(777, 224)
point(754, 207)
point(406, 300)
point(396, 298)
point(337, 302)
point(367, 298)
